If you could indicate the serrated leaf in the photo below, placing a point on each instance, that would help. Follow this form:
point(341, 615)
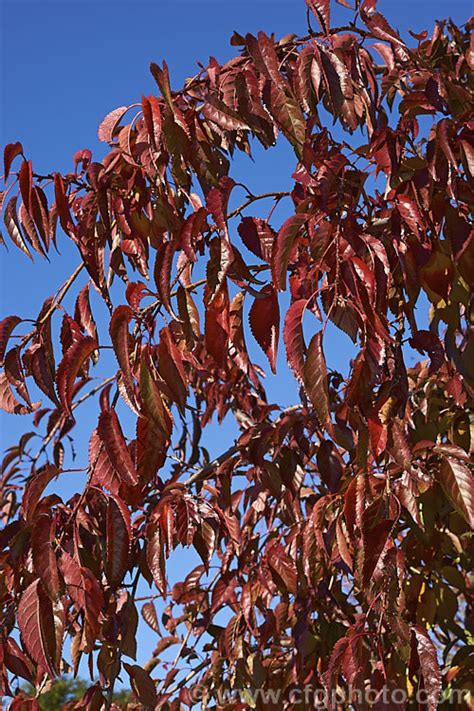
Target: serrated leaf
point(294, 339)
point(321, 9)
point(143, 685)
point(10, 152)
point(222, 115)
point(8, 401)
point(38, 627)
point(155, 556)
point(69, 367)
point(10, 219)
point(35, 486)
point(120, 337)
point(457, 483)
point(287, 114)
point(7, 325)
point(148, 612)
point(118, 540)
point(282, 248)
point(152, 115)
point(111, 437)
point(107, 126)
point(264, 318)
point(44, 558)
point(429, 667)
point(315, 379)
point(83, 314)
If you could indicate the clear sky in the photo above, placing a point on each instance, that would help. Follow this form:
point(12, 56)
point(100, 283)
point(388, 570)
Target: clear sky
point(66, 64)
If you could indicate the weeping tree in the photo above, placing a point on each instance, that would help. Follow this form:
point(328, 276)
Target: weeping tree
point(333, 537)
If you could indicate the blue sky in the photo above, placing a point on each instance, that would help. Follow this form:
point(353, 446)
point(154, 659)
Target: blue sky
point(65, 65)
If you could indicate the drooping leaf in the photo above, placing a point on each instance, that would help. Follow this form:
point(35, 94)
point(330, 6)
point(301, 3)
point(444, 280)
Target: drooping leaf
point(258, 236)
point(69, 367)
point(429, 342)
point(429, 666)
point(83, 314)
point(7, 325)
point(264, 318)
point(152, 115)
point(156, 557)
point(120, 337)
point(143, 685)
point(111, 437)
point(118, 540)
point(10, 219)
point(44, 558)
point(150, 616)
point(282, 248)
point(457, 482)
point(315, 379)
point(294, 339)
point(37, 483)
point(321, 9)
point(39, 627)
point(8, 401)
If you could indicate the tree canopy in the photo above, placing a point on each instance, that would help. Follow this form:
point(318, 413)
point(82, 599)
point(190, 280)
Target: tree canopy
point(334, 535)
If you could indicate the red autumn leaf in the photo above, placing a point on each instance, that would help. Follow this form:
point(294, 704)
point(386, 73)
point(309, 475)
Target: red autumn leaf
point(155, 556)
point(10, 219)
point(142, 684)
point(258, 236)
point(264, 318)
point(68, 369)
point(410, 214)
point(457, 482)
point(134, 293)
point(37, 483)
point(8, 401)
point(152, 115)
point(375, 538)
point(429, 342)
point(294, 339)
point(429, 666)
point(114, 447)
point(25, 179)
point(44, 558)
point(190, 231)
point(109, 124)
point(222, 115)
point(39, 627)
point(217, 327)
point(321, 9)
point(120, 337)
point(282, 248)
point(162, 273)
point(10, 152)
point(119, 536)
point(83, 314)
point(316, 380)
point(37, 363)
point(17, 662)
point(62, 204)
point(7, 325)
point(151, 618)
point(284, 567)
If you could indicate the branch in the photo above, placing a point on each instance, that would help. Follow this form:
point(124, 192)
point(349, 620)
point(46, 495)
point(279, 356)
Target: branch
point(55, 304)
point(205, 471)
point(59, 423)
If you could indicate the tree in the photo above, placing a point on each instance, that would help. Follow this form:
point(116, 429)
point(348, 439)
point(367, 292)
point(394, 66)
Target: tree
point(334, 535)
